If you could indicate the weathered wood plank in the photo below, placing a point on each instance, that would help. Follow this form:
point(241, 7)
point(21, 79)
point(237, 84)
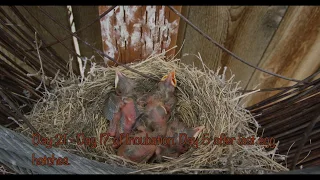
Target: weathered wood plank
point(244, 30)
point(174, 20)
point(182, 30)
point(54, 57)
point(26, 39)
point(84, 15)
point(293, 52)
point(133, 33)
point(19, 26)
point(60, 14)
point(213, 20)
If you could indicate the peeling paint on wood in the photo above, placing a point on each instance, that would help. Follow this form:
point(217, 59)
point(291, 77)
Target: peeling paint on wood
point(132, 33)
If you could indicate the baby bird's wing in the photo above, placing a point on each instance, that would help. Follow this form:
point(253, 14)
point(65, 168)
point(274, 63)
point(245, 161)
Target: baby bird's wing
point(112, 106)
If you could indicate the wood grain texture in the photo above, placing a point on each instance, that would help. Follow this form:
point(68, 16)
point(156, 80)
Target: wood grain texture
point(60, 14)
point(21, 28)
point(84, 15)
point(213, 20)
point(182, 30)
point(172, 17)
point(293, 52)
point(244, 30)
point(131, 33)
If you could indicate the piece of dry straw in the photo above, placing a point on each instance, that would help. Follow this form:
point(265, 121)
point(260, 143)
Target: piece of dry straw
point(204, 98)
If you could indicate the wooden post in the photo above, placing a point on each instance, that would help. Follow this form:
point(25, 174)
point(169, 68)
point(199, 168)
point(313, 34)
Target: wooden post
point(131, 33)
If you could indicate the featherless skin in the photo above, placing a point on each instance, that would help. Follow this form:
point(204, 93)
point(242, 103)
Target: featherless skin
point(120, 107)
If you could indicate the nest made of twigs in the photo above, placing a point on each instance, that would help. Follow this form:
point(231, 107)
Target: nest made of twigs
point(204, 98)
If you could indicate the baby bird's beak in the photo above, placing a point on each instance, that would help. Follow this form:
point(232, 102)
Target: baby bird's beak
point(118, 78)
point(170, 79)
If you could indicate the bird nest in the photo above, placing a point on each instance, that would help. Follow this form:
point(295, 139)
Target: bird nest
point(71, 114)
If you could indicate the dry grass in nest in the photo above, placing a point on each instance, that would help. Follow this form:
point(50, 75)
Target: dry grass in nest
point(204, 98)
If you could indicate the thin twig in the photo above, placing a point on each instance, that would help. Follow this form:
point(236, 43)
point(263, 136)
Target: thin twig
point(14, 47)
point(304, 140)
point(50, 52)
point(277, 96)
point(295, 93)
point(2, 94)
point(20, 82)
point(270, 89)
point(70, 50)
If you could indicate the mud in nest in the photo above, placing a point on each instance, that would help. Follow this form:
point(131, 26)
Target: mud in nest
point(204, 98)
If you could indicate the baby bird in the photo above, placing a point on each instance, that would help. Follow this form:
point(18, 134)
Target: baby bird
point(155, 118)
point(129, 114)
point(120, 108)
point(112, 112)
point(159, 104)
point(139, 153)
point(164, 92)
point(178, 131)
